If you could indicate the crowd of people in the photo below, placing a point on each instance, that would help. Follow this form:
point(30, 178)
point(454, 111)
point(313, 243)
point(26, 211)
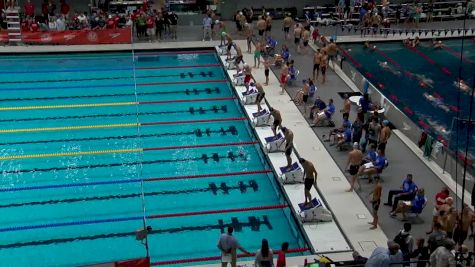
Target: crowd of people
point(149, 24)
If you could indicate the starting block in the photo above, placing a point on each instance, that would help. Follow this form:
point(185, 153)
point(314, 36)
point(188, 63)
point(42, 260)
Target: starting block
point(292, 175)
point(250, 97)
point(275, 143)
point(314, 212)
point(239, 79)
point(262, 118)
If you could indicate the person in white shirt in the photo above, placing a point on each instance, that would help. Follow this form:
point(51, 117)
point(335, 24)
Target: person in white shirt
point(207, 21)
point(228, 245)
point(443, 256)
point(60, 25)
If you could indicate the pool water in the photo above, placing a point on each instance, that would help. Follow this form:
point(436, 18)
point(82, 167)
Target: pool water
point(94, 145)
point(423, 83)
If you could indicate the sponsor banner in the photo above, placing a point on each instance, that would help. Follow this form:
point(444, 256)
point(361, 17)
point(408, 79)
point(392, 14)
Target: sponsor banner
point(79, 37)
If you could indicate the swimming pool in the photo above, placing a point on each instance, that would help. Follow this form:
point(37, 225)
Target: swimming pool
point(93, 145)
point(422, 82)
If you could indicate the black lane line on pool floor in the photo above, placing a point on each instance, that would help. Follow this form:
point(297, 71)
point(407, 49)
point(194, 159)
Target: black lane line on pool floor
point(216, 157)
point(212, 187)
point(254, 223)
point(182, 75)
point(192, 91)
point(191, 110)
point(198, 132)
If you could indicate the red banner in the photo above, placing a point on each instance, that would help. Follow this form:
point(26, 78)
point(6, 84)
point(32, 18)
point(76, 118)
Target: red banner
point(79, 37)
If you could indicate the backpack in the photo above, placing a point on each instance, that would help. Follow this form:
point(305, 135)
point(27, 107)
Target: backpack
point(401, 240)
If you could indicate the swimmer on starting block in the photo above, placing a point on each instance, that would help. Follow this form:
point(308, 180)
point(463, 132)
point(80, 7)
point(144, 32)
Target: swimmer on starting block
point(289, 145)
point(310, 179)
point(260, 96)
point(277, 120)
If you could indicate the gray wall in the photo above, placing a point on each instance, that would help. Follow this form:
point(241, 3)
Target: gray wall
point(229, 7)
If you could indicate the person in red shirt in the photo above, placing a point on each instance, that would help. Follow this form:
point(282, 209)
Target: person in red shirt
point(34, 26)
point(25, 25)
point(281, 255)
point(64, 8)
point(29, 9)
point(110, 23)
point(439, 201)
point(116, 19)
point(151, 28)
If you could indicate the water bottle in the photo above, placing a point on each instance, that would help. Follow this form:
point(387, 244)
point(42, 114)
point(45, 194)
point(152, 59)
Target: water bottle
point(305, 262)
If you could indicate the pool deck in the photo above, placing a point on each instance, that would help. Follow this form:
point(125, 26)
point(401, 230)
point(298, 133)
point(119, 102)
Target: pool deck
point(353, 223)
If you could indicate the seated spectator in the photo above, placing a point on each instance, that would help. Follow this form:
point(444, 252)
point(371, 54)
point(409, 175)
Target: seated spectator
point(346, 123)
point(318, 105)
point(325, 115)
point(345, 137)
point(371, 155)
point(415, 206)
point(373, 168)
point(407, 192)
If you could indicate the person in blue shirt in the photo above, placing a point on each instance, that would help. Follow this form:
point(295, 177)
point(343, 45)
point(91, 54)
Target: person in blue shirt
point(325, 115)
point(416, 205)
point(407, 192)
point(371, 155)
point(318, 106)
point(374, 167)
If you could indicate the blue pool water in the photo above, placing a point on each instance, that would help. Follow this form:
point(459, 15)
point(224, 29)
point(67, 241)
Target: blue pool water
point(64, 207)
point(401, 83)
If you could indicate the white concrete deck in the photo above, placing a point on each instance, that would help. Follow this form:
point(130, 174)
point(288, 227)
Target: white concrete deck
point(331, 181)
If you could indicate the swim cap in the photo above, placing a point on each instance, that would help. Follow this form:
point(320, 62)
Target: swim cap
point(355, 144)
point(217, 21)
point(223, 34)
point(385, 122)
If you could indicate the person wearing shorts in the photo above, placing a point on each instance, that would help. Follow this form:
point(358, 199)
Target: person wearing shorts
point(277, 120)
point(310, 175)
point(260, 96)
point(286, 30)
point(376, 202)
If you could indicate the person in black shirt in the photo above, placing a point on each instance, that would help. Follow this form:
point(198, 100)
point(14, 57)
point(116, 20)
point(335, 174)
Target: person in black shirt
point(173, 18)
point(159, 25)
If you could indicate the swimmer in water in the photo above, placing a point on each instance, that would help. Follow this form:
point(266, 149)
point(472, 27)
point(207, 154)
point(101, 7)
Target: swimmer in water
point(385, 66)
point(437, 44)
point(462, 85)
point(424, 81)
point(437, 102)
point(366, 44)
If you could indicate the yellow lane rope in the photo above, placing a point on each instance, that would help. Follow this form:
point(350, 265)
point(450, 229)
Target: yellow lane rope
point(114, 104)
point(65, 154)
point(67, 128)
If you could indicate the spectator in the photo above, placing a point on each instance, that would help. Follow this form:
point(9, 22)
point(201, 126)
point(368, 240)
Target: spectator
point(437, 237)
point(173, 21)
point(357, 127)
point(464, 223)
point(34, 26)
point(110, 23)
point(318, 106)
point(207, 21)
point(159, 25)
point(439, 201)
point(60, 23)
point(420, 255)
point(64, 8)
point(383, 257)
point(29, 9)
point(141, 25)
point(326, 114)
point(52, 24)
point(415, 206)
point(281, 262)
point(374, 128)
point(443, 256)
point(405, 241)
point(44, 9)
point(150, 28)
point(228, 245)
point(407, 192)
point(264, 255)
point(384, 136)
